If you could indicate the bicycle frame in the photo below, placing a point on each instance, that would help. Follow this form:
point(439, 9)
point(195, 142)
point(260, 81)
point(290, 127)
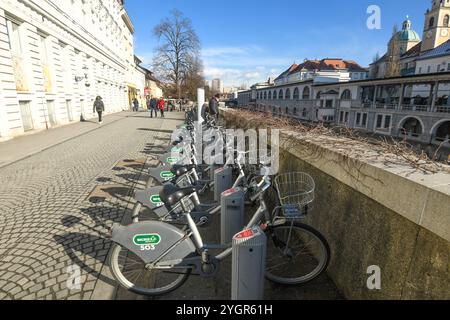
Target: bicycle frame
point(194, 233)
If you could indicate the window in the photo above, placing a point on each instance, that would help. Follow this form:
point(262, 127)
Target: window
point(379, 121)
point(431, 24)
point(446, 20)
point(420, 69)
point(383, 122)
point(288, 94)
point(265, 95)
point(318, 95)
point(387, 122)
point(358, 118)
point(439, 68)
point(306, 93)
point(329, 104)
point(275, 95)
point(280, 94)
point(296, 94)
point(429, 69)
point(15, 43)
point(270, 95)
point(346, 95)
point(361, 119)
point(44, 53)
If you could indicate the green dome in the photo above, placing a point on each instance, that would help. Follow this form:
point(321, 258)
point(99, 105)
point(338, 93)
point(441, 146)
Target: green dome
point(408, 35)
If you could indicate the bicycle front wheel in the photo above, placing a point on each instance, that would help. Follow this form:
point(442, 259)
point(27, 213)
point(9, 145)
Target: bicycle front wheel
point(296, 254)
point(129, 270)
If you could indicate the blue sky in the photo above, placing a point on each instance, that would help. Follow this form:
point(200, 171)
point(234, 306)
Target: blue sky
point(247, 41)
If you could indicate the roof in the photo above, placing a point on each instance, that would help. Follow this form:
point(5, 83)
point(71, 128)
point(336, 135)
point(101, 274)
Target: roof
point(442, 50)
point(414, 51)
point(429, 77)
point(330, 64)
point(288, 71)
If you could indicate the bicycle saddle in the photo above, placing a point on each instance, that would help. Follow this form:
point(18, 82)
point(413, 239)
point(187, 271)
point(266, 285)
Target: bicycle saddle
point(179, 169)
point(171, 194)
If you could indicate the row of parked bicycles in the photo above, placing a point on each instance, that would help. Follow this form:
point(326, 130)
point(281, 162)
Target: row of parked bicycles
point(155, 255)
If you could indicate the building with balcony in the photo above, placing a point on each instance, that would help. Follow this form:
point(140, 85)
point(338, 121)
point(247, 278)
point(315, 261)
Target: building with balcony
point(293, 92)
point(57, 56)
point(415, 108)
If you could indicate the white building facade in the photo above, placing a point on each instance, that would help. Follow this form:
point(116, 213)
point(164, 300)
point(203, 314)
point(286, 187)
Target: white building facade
point(56, 56)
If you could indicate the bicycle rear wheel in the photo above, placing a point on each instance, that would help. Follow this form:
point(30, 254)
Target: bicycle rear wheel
point(296, 254)
point(129, 270)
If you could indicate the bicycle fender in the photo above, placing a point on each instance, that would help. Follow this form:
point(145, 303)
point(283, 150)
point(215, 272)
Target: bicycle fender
point(150, 197)
point(161, 174)
point(149, 240)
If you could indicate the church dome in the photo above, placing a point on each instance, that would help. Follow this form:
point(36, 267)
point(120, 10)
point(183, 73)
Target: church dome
point(407, 34)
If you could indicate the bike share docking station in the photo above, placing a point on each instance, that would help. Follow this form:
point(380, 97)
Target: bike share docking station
point(249, 263)
point(223, 180)
point(232, 206)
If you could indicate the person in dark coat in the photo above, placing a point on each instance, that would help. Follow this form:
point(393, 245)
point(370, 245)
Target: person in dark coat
point(99, 106)
point(153, 106)
point(135, 105)
point(214, 106)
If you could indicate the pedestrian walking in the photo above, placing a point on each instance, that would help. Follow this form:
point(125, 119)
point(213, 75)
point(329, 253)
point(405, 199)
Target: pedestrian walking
point(135, 105)
point(99, 106)
point(161, 106)
point(153, 107)
point(213, 109)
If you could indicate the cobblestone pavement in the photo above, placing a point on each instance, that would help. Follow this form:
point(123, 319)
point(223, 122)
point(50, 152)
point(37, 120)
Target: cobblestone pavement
point(52, 221)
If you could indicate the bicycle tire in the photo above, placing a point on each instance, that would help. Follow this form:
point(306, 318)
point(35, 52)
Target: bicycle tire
point(300, 279)
point(137, 288)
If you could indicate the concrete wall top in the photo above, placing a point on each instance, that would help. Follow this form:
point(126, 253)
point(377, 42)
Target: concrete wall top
point(422, 196)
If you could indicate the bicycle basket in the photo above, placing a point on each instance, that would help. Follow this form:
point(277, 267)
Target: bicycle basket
point(296, 193)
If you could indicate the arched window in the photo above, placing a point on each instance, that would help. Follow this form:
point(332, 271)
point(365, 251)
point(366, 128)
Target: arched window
point(346, 95)
point(318, 94)
point(304, 113)
point(287, 110)
point(270, 95)
point(257, 95)
point(265, 95)
point(443, 132)
point(280, 94)
point(296, 94)
point(412, 126)
point(275, 95)
point(306, 93)
point(431, 24)
point(446, 20)
point(295, 110)
point(287, 95)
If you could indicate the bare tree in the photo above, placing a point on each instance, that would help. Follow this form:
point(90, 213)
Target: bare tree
point(178, 49)
point(193, 78)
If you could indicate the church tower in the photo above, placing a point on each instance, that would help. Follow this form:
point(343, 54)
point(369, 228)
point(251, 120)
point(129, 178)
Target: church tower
point(436, 30)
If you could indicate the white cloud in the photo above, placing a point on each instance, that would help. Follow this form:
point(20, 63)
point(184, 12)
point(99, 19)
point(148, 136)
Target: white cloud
point(240, 64)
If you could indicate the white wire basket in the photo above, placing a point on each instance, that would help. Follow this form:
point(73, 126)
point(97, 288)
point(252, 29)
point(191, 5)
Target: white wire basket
point(296, 193)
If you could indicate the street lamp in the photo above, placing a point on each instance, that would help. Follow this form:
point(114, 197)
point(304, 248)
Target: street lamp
point(87, 84)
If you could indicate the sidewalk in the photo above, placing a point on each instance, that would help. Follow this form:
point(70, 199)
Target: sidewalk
point(23, 147)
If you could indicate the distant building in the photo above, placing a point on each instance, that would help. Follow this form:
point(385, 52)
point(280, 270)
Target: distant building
point(325, 70)
point(217, 86)
point(57, 56)
point(153, 87)
point(407, 54)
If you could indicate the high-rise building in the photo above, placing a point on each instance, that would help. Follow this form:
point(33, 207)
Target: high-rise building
point(217, 86)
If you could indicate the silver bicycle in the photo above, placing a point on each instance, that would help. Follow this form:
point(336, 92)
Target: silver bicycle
point(154, 258)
